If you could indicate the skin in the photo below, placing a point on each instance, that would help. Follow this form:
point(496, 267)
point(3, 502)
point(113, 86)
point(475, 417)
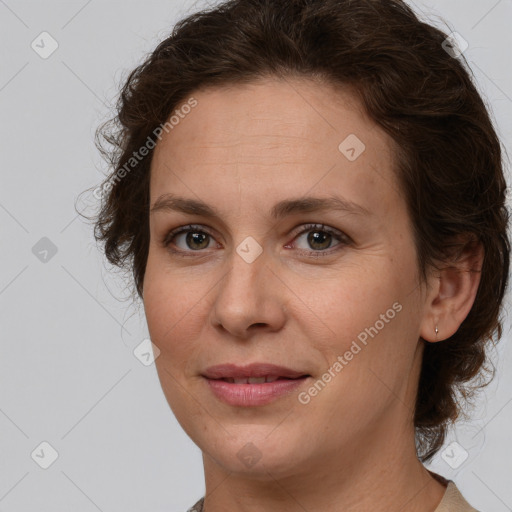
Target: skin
point(241, 150)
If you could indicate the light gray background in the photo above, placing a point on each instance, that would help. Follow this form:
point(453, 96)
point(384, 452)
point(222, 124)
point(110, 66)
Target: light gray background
point(68, 373)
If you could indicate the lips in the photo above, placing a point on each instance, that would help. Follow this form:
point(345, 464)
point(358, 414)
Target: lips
point(255, 373)
point(252, 380)
point(255, 384)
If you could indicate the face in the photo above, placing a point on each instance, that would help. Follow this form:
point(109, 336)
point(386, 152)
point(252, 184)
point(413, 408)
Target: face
point(263, 273)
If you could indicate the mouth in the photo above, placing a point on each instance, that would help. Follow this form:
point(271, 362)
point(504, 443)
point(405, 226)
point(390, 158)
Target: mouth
point(252, 385)
point(240, 374)
point(258, 380)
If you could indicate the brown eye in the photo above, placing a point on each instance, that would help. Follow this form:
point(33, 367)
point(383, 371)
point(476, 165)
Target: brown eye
point(319, 238)
point(187, 239)
point(193, 238)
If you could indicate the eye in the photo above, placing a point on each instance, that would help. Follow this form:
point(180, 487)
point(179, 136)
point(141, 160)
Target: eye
point(193, 239)
point(319, 238)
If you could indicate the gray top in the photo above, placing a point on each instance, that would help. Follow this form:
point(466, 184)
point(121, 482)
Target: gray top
point(198, 507)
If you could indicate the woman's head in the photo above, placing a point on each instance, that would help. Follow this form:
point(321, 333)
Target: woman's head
point(278, 101)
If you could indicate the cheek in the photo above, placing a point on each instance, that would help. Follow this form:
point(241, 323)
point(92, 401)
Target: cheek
point(351, 299)
point(364, 316)
point(169, 308)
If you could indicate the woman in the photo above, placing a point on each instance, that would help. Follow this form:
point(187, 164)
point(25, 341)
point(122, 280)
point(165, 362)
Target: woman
point(310, 196)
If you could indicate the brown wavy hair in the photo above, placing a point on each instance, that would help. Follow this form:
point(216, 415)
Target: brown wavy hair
point(448, 156)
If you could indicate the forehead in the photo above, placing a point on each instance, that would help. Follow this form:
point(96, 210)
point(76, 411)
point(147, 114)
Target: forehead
point(285, 108)
point(288, 134)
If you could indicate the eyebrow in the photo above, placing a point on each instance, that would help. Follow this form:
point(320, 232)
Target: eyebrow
point(173, 203)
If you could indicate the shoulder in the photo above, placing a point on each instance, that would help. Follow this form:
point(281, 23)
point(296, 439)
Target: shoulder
point(453, 501)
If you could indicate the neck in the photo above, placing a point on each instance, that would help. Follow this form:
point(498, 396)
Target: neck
point(377, 472)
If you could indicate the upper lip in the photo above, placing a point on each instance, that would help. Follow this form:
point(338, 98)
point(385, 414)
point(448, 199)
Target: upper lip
point(228, 370)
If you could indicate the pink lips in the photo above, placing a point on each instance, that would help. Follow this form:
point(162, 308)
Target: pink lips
point(252, 385)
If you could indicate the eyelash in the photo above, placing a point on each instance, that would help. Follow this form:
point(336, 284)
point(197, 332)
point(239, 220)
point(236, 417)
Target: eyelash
point(338, 235)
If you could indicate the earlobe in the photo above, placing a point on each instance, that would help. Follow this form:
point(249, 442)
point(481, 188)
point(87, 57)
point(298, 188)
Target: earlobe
point(451, 300)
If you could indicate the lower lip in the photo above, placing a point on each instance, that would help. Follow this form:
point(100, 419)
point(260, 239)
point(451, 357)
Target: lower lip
point(250, 395)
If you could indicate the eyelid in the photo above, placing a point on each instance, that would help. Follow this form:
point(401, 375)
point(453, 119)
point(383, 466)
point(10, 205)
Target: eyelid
point(180, 229)
point(342, 237)
point(320, 227)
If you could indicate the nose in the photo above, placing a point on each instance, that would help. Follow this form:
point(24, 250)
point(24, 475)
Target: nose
point(250, 298)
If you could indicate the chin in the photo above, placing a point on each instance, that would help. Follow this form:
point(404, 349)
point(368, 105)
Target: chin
point(250, 451)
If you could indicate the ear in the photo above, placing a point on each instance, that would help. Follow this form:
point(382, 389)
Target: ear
point(452, 293)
